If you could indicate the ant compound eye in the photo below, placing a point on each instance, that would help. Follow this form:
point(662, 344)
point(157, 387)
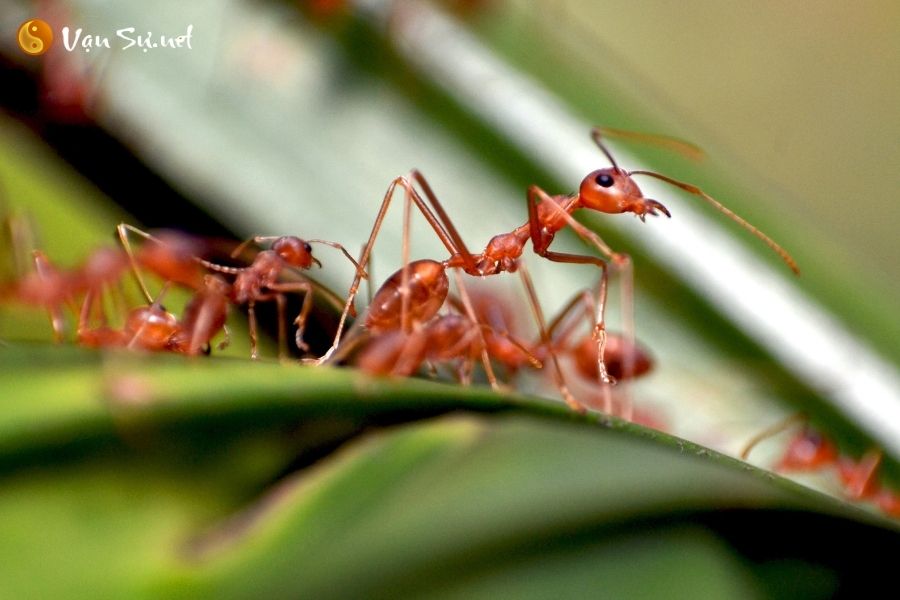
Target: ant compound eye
point(307, 247)
point(604, 180)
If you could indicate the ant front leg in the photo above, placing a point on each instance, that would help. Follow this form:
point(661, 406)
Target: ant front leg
point(540, 242)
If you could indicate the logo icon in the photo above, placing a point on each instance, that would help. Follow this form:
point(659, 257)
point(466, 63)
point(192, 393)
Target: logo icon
point(35, 37)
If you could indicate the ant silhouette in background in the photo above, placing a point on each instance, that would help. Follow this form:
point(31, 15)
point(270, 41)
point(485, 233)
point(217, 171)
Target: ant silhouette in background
point(810, 451)
point(176, 257)
point(625, 360)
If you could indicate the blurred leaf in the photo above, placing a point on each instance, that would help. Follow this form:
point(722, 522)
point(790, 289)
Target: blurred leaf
point(127, 475)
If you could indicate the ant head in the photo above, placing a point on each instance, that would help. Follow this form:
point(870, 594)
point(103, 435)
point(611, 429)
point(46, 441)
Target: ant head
point(295, 252)
point(808, 450)
point(613, 191)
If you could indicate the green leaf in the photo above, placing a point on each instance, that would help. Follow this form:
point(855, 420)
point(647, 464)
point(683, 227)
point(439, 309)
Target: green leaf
point(125, 475)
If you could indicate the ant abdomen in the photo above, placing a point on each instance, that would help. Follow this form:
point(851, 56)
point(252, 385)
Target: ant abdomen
point(393, 353)
point(151, 327)
point(619, 356)
point(450, 335)
point(428, 288)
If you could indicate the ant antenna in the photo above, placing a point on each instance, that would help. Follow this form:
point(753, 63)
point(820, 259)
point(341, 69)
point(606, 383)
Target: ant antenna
point(338, 246)
point(692, 189)
point(597, 134)
point(682, 147)
point(771, 431)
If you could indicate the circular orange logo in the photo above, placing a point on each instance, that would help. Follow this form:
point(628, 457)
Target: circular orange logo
point(35, 37)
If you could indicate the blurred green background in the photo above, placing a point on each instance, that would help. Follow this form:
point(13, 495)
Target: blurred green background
point(293, 117)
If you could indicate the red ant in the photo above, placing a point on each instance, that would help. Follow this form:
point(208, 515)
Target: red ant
point(610, 190)
point(416, 292)
point(204, 316)
point(152, 327)
point(399, 348)
point(171, 255)
point(174, 257)
point(47, 287)
point(53, 288)
point(259, 282)
point(623, 358)
point(810, 451)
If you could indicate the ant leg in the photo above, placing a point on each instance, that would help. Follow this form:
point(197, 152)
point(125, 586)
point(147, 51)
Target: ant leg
point(586, 302)
point(42, 267)
point(600, 324)
point(405, 325)
point(771, 431)
point(458, 243)
point(363, 261)
point(600, 334)
point(251, 317)
point(370, 291)
point(122, 229)
point(297, 287)
point(84, 316)
point(859, 477)
point(626, 290)
point(282, 327)
point(367, 250)
point(226, 339)
point(536, 193)
point(545, 337)
point(470, 312)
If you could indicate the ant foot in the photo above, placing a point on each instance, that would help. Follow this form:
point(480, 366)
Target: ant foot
point(608, 379)
point(298, 339)
point(324, 358)
point(502, 388)
point(571, 402)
